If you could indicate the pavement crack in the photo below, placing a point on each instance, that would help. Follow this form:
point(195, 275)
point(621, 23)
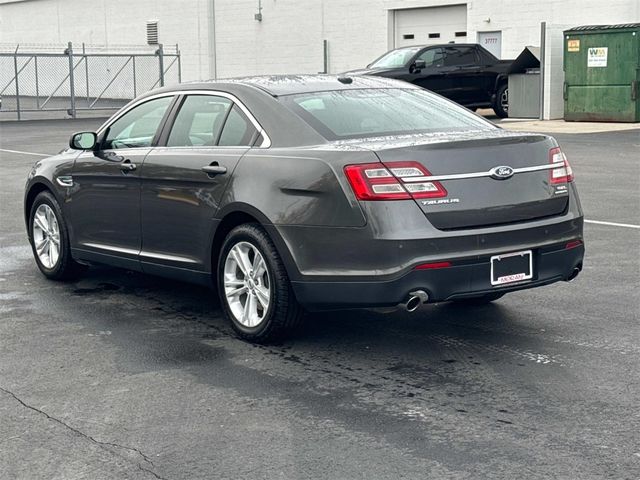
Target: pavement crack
point(101, 444)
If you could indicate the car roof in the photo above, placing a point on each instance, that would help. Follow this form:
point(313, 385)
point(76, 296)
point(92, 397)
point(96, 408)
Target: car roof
point(441, 45)
point(278, 85)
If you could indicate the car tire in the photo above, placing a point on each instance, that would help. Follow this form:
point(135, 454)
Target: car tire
point(260, 305)
point(482, 300)
point(49, 238)
point(501, 105)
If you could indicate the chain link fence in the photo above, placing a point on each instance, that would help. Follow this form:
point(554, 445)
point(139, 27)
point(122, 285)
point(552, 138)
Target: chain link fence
point(43, 81)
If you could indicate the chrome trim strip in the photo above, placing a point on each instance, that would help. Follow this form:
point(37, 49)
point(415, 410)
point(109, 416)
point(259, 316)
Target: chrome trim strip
point(162, 256)
point(111, 248)
point(266, 142)
point(459, 176)
point(141, 253)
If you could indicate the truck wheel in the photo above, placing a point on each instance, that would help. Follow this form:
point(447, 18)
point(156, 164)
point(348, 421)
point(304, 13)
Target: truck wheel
point(501, 106)
point(255, 292)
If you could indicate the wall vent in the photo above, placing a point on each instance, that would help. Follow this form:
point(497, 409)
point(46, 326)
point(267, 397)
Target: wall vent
point(152, 32)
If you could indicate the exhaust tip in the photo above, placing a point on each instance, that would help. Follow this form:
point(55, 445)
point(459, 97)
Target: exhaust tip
point(412, 304)
point(416, 299)
point(575, 272)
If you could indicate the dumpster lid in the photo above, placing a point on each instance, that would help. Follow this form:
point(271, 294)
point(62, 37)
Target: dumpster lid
point(603, 27)
point(528, 58)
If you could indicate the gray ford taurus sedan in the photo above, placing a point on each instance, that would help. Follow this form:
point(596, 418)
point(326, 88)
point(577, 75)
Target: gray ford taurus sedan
point(309, 192)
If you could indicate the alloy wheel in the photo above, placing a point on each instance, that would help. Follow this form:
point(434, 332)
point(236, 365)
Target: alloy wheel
point(46, 236)
point(504, 100)
point(247, 284)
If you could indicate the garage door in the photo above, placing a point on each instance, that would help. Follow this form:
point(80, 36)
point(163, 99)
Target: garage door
point(428, 26)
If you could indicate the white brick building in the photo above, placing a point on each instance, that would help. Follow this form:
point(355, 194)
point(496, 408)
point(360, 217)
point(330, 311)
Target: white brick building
point(223, 38)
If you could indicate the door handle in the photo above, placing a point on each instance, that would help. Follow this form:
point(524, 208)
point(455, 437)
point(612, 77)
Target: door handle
point(214, 169)
point(127, 166)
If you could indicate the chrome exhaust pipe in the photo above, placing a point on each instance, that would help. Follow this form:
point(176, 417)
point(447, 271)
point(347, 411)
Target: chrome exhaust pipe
point(574, 274)
point(415, 299)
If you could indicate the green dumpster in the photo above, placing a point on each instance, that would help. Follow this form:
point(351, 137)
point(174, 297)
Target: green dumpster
point(601, 73)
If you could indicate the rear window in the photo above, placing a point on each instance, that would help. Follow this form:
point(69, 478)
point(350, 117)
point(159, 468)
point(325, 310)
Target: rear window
point(375, 112)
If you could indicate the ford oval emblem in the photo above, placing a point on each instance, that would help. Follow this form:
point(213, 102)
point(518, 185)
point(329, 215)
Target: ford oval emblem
point(501, 173)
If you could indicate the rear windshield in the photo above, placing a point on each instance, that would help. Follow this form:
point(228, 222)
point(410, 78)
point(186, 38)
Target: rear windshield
point(376, 112)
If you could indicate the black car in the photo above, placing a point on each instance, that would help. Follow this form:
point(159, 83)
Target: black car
point(465, 73)
point(309, 192)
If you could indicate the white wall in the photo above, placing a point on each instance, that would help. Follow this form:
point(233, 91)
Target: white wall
point(520, 20)
point(111, 22)
point(289, 39)
point(553, 81)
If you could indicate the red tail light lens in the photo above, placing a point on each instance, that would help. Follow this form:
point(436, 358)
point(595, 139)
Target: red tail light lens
point(432, 266)
point(563, 172)
point(572, 244)
point(392, 181)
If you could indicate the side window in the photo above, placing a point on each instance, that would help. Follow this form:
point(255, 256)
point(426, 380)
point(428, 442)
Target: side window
point(432, 57)
point(483, 58)
point(138, 126)
point(238, 130)
point(459, 56)
point(199, 121)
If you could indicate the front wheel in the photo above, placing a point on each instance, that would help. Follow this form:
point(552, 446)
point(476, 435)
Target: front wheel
point(50, 239)
point(501, 106)
point(255, 292)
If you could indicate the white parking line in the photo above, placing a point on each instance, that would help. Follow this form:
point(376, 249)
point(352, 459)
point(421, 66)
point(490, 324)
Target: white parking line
point(25, 153)
point(612, 224)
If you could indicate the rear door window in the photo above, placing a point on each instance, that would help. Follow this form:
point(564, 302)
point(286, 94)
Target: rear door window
point(199, 121)
point(459, 56)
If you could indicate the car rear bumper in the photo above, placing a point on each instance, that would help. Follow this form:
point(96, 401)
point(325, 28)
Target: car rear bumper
point(466, 278)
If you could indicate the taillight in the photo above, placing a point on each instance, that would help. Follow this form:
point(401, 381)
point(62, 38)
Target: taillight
point(573, 244)
point(391, 181)
point(562, 173)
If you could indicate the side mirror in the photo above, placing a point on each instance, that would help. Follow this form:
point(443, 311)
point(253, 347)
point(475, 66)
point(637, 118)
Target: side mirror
point(83, 140)
point(419, 65)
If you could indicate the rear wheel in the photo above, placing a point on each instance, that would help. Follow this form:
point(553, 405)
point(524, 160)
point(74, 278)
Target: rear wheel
point(50, 239)
point(483, 300)
point(501, 106)
point(254, 288)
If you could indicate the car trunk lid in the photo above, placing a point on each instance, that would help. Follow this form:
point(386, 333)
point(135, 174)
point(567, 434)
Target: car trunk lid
point(488, 180)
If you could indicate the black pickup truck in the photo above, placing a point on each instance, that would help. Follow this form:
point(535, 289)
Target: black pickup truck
point(465, 73)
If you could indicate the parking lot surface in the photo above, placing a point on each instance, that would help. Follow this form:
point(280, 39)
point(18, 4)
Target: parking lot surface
point(121, 375)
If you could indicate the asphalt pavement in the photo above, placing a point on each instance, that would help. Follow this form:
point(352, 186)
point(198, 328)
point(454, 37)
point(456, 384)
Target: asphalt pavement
point(125, 376)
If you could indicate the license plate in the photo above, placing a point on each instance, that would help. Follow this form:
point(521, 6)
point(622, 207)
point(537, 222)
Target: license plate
point(511, 267)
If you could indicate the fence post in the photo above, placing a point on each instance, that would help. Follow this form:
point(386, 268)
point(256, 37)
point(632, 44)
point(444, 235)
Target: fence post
point(15, 66)
point(72, 92)
point(135, 87)
point(35, 62)
point(86, 70)
point(160, 53)
point(179, 64)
